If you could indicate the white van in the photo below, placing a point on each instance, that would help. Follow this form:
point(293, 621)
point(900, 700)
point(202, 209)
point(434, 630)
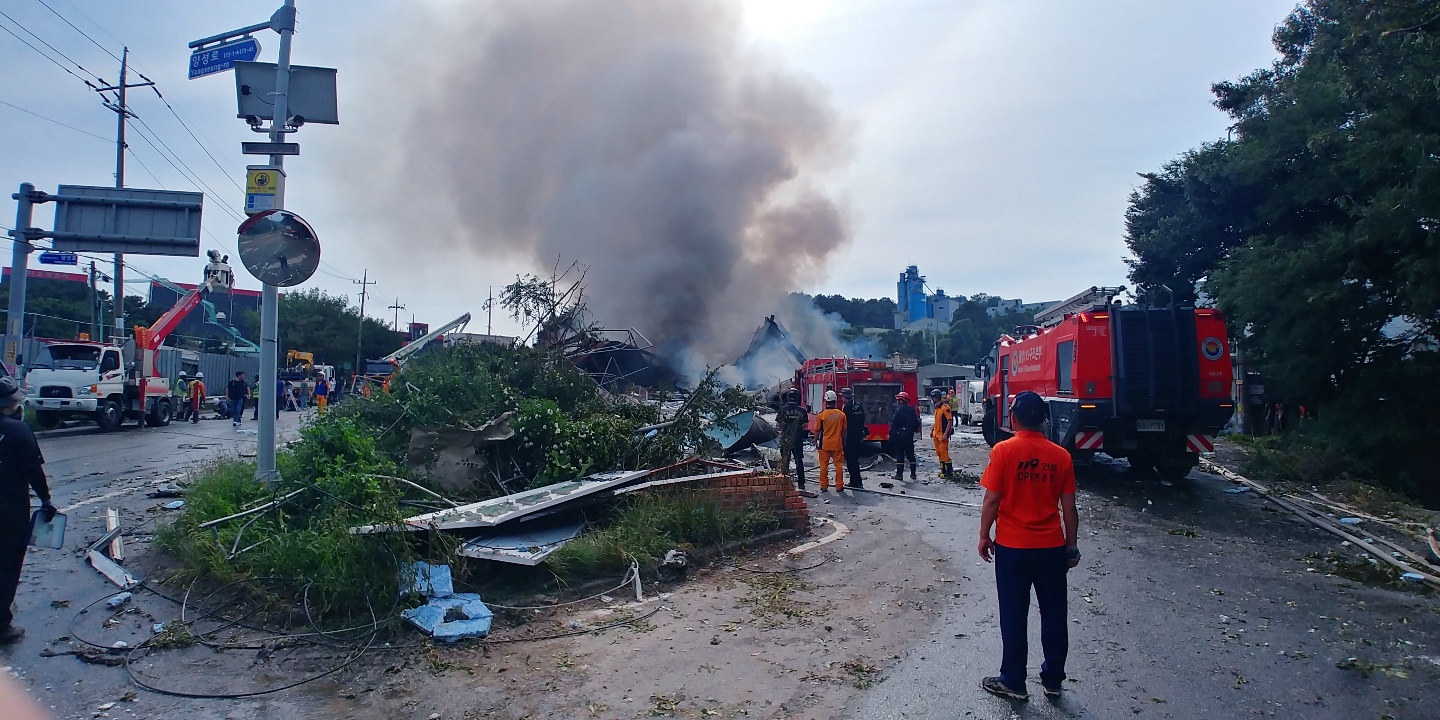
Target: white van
point(971, 394)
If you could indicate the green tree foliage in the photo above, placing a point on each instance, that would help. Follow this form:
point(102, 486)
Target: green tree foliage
point(867, 313)
point(1315, 228)
point(317, 322)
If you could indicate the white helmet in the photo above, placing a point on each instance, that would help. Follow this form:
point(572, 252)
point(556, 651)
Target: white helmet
point(200, 375)
point(830, 396)
point(182, 373)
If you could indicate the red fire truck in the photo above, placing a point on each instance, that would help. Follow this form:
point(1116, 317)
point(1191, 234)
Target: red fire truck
point(1152, 384)
point(875, 382)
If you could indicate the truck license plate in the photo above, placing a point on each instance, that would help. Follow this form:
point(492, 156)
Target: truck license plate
point(1150, 425)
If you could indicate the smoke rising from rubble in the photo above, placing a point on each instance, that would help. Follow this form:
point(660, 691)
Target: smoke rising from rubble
point(641, 138)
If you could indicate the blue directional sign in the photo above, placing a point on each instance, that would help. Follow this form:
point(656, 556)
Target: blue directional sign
point(59, 258)
point(219, 58)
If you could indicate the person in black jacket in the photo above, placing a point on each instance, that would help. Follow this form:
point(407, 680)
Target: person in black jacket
point(794, 422)
point(904, 424)
point(236, 392)
point(21, 470)
point(855, 433)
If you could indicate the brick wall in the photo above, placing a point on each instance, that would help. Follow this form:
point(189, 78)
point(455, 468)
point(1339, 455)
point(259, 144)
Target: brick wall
point(768, 489)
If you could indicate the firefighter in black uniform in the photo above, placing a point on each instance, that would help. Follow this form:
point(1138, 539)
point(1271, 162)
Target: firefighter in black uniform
point(794, 423)
point(855, 433)
point(20, 471)
point(904, 423)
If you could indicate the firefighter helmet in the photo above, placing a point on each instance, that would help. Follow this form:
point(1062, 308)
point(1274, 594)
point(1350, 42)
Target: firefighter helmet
point(902, 396)
point(830, 396)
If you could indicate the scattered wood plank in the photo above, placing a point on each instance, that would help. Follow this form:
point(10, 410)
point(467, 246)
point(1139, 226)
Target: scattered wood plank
point(117, 545)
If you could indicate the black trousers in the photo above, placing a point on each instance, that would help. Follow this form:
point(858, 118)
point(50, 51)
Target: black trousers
point(852, 462)
point(795, 451)
point(903, 447)
point(13, 541)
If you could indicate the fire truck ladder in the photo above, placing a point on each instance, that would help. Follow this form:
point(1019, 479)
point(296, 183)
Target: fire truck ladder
point(1054, 314)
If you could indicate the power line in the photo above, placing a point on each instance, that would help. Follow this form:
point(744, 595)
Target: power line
point(146, 168)
point(47, 57)
point(191, 176)
point(53, 120)
point(82, 32)
point(48, 45)
point(183, 124)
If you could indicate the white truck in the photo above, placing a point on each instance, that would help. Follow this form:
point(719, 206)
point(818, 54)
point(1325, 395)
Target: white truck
point(971, 394)
point(111, 384)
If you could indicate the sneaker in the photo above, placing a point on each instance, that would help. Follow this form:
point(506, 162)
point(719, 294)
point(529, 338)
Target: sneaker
point(11, 635)
point(1052, 692)
point(995, 686)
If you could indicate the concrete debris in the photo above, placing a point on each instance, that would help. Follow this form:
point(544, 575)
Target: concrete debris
point(450, 455)
point(452, 618)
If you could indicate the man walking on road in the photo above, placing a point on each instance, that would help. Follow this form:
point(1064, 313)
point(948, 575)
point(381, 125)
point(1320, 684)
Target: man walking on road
point(904, 424)
point(182, 391)
point(236, 393)
point(794, 421)
point(1029, 483)
point(322, 394)
point(21, 470)
point(855, 431)
point(830, 443)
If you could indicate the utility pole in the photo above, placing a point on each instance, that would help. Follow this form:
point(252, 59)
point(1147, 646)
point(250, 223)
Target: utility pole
point(94, 303)
point(397, 307)
point(122, 112)
point(490, 312)
point(19, 273)
point(364, 282)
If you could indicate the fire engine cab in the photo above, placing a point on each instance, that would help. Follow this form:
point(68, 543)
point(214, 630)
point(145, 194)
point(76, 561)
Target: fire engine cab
point(1151, 384)
point(875, 383)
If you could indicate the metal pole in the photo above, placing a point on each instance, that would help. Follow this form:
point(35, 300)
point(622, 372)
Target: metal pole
point(282, 22)
point(360, 332)
point(94, 302)
point(119, 299)
point(19, 268)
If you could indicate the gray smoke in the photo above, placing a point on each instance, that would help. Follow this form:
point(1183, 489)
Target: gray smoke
point(641, 138)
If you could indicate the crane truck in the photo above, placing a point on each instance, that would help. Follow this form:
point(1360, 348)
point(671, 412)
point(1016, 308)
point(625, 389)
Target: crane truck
point(1151, 384)
point(378, 372)
point(112, 384)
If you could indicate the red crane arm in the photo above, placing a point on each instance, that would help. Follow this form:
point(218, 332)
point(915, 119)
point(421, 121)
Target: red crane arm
point(152, 337)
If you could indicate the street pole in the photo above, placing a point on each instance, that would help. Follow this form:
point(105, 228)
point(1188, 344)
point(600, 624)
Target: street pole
point(364, 282)
point(397, 307)
point(19, 269)
point(284, 23)
point(94, 302)
point(120, 183)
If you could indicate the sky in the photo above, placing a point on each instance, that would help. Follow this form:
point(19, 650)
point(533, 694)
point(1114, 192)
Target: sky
point(993, 143)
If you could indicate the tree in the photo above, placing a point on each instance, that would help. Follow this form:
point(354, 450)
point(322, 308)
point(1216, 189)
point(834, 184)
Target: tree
point(1315, 230)
point(317, 322)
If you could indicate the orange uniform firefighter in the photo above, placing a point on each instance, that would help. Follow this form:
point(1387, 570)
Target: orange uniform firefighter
point(941, 431)
point(831, 443)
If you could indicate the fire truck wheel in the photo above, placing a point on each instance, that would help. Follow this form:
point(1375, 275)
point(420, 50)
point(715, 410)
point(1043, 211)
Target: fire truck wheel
point(108, 416)
point(47, 418)
point(161, 416)
point(989, 429)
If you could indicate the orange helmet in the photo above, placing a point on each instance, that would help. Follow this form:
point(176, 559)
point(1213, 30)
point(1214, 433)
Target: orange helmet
point(902, 396)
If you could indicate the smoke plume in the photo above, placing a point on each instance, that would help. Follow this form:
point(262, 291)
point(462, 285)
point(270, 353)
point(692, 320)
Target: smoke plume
point(641, 138)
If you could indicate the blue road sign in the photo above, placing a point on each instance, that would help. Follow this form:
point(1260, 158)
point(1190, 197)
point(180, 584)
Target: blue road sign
point(222, 57)
point(59, 258)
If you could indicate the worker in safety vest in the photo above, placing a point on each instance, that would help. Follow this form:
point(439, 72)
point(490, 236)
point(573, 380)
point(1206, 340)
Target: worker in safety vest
point(793, 420)
point(182, 391)
point(856, 429)
point(830, 442)
point(197, 396)
point(941, 431)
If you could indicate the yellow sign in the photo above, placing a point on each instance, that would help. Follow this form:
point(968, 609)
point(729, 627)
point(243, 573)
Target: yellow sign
point(260, 182)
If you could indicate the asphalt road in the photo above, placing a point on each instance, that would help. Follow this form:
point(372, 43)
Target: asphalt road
point(1189, 603)
point(90, 471)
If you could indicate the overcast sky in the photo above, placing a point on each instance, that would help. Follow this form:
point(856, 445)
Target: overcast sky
point(995, 142)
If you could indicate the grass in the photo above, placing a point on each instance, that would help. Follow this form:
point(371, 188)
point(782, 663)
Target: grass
point(647, 525)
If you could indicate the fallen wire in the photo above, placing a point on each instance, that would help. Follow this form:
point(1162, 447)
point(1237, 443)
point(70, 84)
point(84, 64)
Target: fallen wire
point(572, 633)
point(782, 571)
point(922, 498)
point(625, 582)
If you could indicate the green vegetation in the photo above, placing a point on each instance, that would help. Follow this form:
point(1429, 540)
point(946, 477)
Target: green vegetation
point(971, 333)
point(341, 464)
point(645, 526)
point(1314, 230)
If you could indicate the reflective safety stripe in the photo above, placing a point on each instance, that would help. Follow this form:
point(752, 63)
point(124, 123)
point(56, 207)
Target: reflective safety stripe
point(1089, 439)
point(1199, 443)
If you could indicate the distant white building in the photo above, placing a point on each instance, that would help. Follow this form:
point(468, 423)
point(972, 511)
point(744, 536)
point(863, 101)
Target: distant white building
point(1007, 307)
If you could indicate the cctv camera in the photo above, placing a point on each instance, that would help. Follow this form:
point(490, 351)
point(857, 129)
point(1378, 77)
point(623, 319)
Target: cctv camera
point(297, 121)
point(254, 121)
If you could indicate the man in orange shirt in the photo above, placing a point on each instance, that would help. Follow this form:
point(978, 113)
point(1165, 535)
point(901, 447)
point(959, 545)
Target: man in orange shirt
point(1029, 483)
point(831, 443)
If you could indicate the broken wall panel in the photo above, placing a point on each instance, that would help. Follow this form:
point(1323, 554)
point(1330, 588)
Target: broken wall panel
point(527, 546)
